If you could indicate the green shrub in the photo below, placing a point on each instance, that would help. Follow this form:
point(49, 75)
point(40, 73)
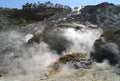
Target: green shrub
point(112, 35)
point(1, 22)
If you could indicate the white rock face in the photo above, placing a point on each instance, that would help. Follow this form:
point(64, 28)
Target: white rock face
point(76, 10)
point(28, 37)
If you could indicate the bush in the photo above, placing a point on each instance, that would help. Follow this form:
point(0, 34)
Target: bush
point(1, 22)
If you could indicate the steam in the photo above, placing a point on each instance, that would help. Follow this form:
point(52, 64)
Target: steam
point(113, 47)
point(17, 58)
point(82, 40)
point(104, 65)
point(115, 50)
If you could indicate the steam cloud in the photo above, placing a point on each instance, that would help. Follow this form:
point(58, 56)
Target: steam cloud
point(82, 40)
point(18, 59)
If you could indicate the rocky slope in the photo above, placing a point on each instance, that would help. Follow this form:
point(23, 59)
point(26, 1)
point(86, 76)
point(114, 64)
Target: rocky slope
point(105, 14)
point(15, 18)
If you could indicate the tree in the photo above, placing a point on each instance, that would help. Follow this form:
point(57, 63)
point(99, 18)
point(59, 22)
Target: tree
point(58, 6)
point(30, 5)
point(27, 6)
point(34, 5)
point(49, 4)
point(67, 7)
point(46, 4)
point(41, 5)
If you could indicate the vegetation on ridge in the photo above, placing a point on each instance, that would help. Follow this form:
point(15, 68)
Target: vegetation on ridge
point(31, 12)
point(46, 4)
